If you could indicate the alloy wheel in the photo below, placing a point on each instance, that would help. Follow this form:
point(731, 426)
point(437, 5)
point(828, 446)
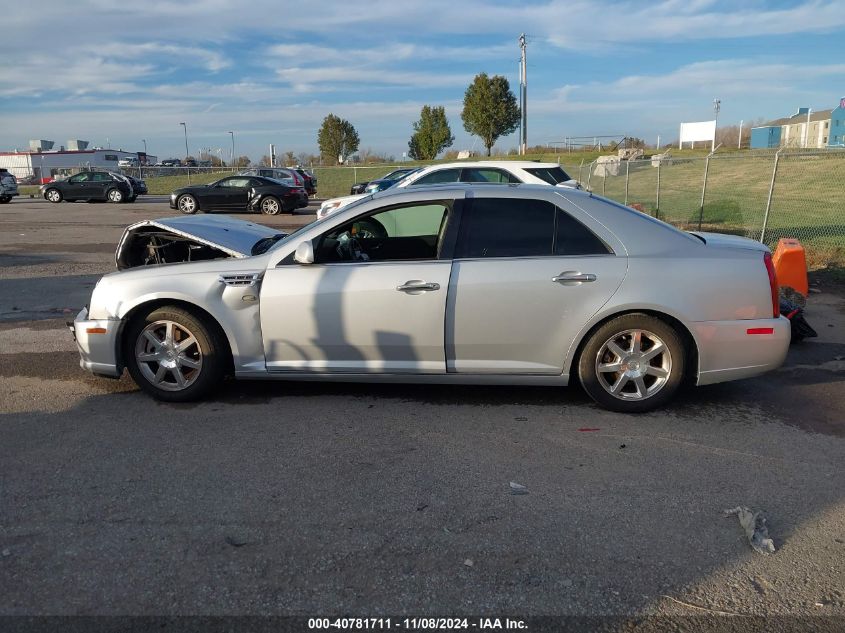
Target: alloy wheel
point(168, 355)
point(187, 204)
point(633, 364)
point(270, 206)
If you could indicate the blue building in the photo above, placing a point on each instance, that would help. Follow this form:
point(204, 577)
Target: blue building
point(836, 137)
point(766, 137)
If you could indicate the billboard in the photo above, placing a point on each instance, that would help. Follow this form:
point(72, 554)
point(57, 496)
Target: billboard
point(697, 131)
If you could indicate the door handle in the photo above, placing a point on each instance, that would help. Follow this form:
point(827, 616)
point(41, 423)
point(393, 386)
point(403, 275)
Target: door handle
point(417, 286)
point(572, 276)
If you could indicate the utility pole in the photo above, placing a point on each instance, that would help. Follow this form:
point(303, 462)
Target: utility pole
point(717, 105)
point(187, 152)
point(807, 129)
point(523, 97)
point(145, 144)
point(739, 140)
point(232, 134)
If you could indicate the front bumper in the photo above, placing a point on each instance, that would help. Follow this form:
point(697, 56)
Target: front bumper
point(97, 343)
point(729, 350)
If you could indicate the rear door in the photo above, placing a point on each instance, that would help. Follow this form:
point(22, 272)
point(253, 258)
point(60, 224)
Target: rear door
point(99, 183)
point(527, 277)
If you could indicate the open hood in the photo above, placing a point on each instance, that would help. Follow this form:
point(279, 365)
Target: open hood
point(188, 239)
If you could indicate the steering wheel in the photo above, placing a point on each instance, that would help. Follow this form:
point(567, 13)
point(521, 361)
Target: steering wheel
point(349, 248)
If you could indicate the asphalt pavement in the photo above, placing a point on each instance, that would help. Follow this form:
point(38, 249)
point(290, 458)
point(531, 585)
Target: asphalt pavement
point(315, 499)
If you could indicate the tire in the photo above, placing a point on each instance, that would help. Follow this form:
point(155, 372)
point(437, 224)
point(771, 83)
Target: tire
point(132, 199)
point(53, 195)
point(160, 369)
point(633, 363)
point(115, 196)
point(271, 205)
point(5, 199)
point(187, 204)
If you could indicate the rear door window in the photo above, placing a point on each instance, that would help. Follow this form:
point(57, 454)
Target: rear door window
point(486, 174)
point(551, 175)
point(508, 227)
point(573, 238)
point(435, 177)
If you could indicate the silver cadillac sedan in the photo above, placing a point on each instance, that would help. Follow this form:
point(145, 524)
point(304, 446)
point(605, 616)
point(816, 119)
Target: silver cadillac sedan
point(516, 284)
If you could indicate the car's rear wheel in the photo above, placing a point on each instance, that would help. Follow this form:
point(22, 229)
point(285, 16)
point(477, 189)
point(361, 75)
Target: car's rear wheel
point(271, 206)
point(5, 199)
point(174, 355)
point(187, 204)
point(53, 195)
point(115, 196)
point(633, 363)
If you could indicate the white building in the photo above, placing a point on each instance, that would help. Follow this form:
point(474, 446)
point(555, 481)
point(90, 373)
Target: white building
point(46, 165)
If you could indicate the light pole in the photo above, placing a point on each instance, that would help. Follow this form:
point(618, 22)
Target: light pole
point(232, 134)
point(717, 105)
point(185, 127)
point(144, 141)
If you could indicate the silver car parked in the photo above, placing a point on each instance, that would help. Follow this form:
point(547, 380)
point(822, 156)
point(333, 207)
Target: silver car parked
point(520, 284)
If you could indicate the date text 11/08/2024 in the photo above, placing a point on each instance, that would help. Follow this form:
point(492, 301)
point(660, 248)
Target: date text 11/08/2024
point(416, 623)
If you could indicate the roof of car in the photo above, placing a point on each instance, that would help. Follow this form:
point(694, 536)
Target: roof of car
point(520, 164)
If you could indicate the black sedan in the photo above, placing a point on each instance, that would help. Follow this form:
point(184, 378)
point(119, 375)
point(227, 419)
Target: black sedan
point(90, 185)
point(239, 193)
point(396, 174)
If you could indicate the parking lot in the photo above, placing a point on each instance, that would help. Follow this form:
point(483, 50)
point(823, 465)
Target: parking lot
point(315, 499)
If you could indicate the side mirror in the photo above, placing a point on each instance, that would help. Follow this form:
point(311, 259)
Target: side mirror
point(304, 253)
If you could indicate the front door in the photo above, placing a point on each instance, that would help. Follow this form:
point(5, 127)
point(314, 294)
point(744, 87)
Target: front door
point(79, 187)
point(373, 301)
point(527, 277)
point(232, 193)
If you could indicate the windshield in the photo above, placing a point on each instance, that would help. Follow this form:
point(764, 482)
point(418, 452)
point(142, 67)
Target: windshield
point(552, 175)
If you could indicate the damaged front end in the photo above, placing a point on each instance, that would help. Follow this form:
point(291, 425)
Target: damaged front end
point(180, 239)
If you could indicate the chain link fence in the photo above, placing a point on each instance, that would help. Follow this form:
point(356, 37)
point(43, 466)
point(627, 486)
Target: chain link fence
point(764, 196)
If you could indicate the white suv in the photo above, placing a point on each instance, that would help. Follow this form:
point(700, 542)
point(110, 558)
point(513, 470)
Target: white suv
point(8, 186)
point(492, 171)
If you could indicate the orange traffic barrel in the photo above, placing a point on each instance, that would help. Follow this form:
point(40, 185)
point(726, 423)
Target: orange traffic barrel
point(791, 265)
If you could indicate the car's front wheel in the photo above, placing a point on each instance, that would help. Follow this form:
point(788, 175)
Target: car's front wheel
point(114, 195)
point(271, 206)
point(174, 355)
point(633, 363)
point(53, 195)
point(187, 204)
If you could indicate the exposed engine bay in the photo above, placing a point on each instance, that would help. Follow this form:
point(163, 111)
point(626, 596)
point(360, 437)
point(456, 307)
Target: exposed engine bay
point(158, 246)
point(180, 239)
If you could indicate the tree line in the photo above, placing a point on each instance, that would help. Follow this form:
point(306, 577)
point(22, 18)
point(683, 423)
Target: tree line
point(490, 111)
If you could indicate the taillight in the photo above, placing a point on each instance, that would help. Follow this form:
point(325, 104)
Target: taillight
point(773, 284)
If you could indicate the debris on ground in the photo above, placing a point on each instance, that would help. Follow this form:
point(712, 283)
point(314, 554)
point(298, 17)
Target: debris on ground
point(587, 430)
point(518, 489)
point(622, 445)
point(521, 419)
point(791, 295)
point(754, 524)
point(468, 562)
point(795, 313)
point(236, 541)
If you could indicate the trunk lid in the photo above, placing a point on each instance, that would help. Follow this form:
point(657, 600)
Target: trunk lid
point(721, 240)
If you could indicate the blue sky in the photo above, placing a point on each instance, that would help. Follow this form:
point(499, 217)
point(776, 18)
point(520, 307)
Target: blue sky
point(270, 70)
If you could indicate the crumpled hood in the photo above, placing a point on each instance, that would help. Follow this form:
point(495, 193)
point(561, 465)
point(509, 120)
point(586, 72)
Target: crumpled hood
point(234, 237)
